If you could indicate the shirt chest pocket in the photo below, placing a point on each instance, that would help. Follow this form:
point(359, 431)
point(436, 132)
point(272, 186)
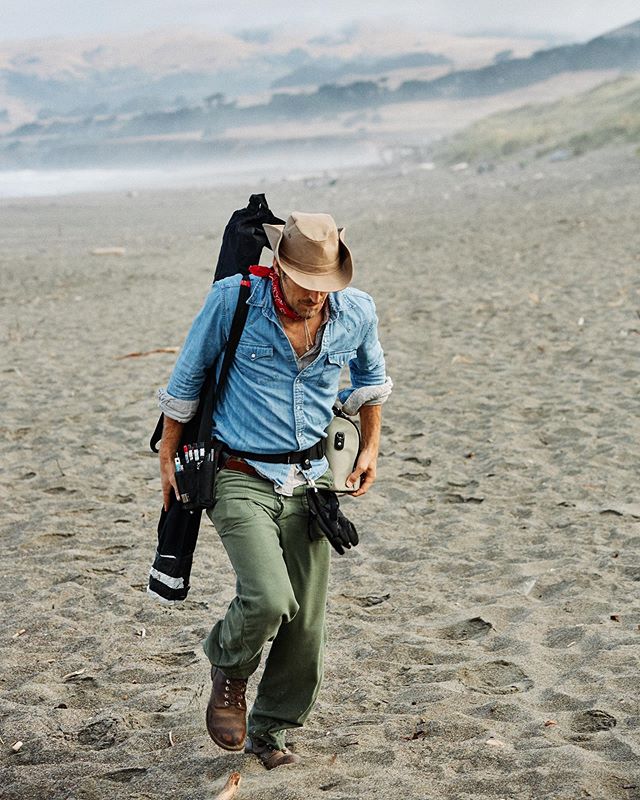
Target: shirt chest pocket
point(256, 362)
point(335, 361)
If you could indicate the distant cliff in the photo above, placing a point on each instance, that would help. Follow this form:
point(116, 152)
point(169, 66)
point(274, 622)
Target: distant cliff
point(196, 130)
point(619, 49)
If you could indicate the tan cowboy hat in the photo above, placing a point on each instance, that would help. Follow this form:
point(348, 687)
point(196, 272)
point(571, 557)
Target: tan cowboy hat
point(311, 250)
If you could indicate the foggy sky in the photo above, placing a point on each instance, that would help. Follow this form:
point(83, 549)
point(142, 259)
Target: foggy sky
point(566, 20)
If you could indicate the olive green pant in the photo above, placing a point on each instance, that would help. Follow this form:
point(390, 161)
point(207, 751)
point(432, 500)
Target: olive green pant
point(281, 592)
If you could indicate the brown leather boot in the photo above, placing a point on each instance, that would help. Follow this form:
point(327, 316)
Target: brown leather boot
point(270, 756)
point(227, 711)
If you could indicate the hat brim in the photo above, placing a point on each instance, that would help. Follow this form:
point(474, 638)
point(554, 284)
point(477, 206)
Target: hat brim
point(274, 234)
point(330, 282)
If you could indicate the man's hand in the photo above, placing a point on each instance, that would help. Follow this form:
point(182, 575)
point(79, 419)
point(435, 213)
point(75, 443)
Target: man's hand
point(168, 480)
point(365, 469)
point(171, 435)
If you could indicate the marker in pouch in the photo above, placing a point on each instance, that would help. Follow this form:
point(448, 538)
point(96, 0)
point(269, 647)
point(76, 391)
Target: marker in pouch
point(196, 454)
point(178, 463)
point(202, 451)
point(186, 454)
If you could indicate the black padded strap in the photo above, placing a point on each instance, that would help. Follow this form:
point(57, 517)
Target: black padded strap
point(212, 393)
point(215, 391)
point(157, 434)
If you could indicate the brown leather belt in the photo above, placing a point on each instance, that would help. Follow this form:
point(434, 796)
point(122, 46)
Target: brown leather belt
point(238, 465)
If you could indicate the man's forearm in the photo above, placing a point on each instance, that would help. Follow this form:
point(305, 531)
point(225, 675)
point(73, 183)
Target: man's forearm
point(365, 469)
point(171, 435)
point(370, 425)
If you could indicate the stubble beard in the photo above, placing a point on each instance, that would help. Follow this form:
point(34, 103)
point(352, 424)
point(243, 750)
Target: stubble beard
point(307, 312)
point(303, 310)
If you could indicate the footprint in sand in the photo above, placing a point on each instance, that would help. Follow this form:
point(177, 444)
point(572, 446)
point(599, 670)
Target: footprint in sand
point(182, 658)
point(632, 572)
point(593, 721)
point(473, 628)
point(564, 637)
point(100, 734)
point(423, 462)
point(495, 677)
point(415, 477)
point(124, 775)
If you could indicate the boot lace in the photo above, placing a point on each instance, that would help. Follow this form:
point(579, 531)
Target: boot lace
point(234, 689)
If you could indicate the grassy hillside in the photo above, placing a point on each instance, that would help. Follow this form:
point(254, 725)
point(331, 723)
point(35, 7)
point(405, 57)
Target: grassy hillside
point(608, 113)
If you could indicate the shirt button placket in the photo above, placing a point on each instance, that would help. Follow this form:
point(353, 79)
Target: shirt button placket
point(299, 408)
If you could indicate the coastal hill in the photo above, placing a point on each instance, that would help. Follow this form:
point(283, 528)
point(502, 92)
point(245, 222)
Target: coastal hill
point(619, 49)
point(168, 70)
point(608, 114)
point(373, 110)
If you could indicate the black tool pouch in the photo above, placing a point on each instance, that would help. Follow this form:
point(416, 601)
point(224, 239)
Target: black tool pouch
point(196, 480)
point(187, 482)
point(206, 483)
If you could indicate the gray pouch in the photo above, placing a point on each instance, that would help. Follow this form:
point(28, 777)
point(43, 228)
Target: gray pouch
point(342, 450)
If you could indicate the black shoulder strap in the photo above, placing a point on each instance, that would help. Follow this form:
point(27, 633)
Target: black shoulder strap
point(215, 391)
point(157, 434)
point(212, 392)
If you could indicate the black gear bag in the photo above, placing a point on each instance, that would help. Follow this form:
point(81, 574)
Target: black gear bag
point(178, 528)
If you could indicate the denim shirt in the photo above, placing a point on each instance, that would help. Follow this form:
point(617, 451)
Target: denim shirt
point(269, 405)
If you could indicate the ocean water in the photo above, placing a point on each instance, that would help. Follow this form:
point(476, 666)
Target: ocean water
point(277, 166)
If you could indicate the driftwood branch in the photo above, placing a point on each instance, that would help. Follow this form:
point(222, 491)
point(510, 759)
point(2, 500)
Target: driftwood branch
point(140, 353)
point(230, 787)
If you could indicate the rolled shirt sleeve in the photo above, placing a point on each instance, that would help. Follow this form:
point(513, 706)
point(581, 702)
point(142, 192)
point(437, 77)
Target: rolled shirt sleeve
point(353, 399)
point(180, 410)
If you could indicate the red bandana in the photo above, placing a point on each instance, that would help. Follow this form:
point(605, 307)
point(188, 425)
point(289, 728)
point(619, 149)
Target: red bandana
point(276, 290)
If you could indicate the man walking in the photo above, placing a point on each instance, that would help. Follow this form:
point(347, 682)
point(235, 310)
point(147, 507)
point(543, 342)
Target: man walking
point(303, 326)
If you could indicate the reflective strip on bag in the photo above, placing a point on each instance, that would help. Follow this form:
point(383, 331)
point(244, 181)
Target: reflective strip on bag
point(172, 583)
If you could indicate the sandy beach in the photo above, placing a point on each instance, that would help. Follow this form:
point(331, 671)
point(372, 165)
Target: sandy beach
point(484, 636)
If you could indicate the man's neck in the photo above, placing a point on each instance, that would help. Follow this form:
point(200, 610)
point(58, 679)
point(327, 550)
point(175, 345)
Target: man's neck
point(302, 333)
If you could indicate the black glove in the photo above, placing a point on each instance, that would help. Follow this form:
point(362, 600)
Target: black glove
point(325, 514)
